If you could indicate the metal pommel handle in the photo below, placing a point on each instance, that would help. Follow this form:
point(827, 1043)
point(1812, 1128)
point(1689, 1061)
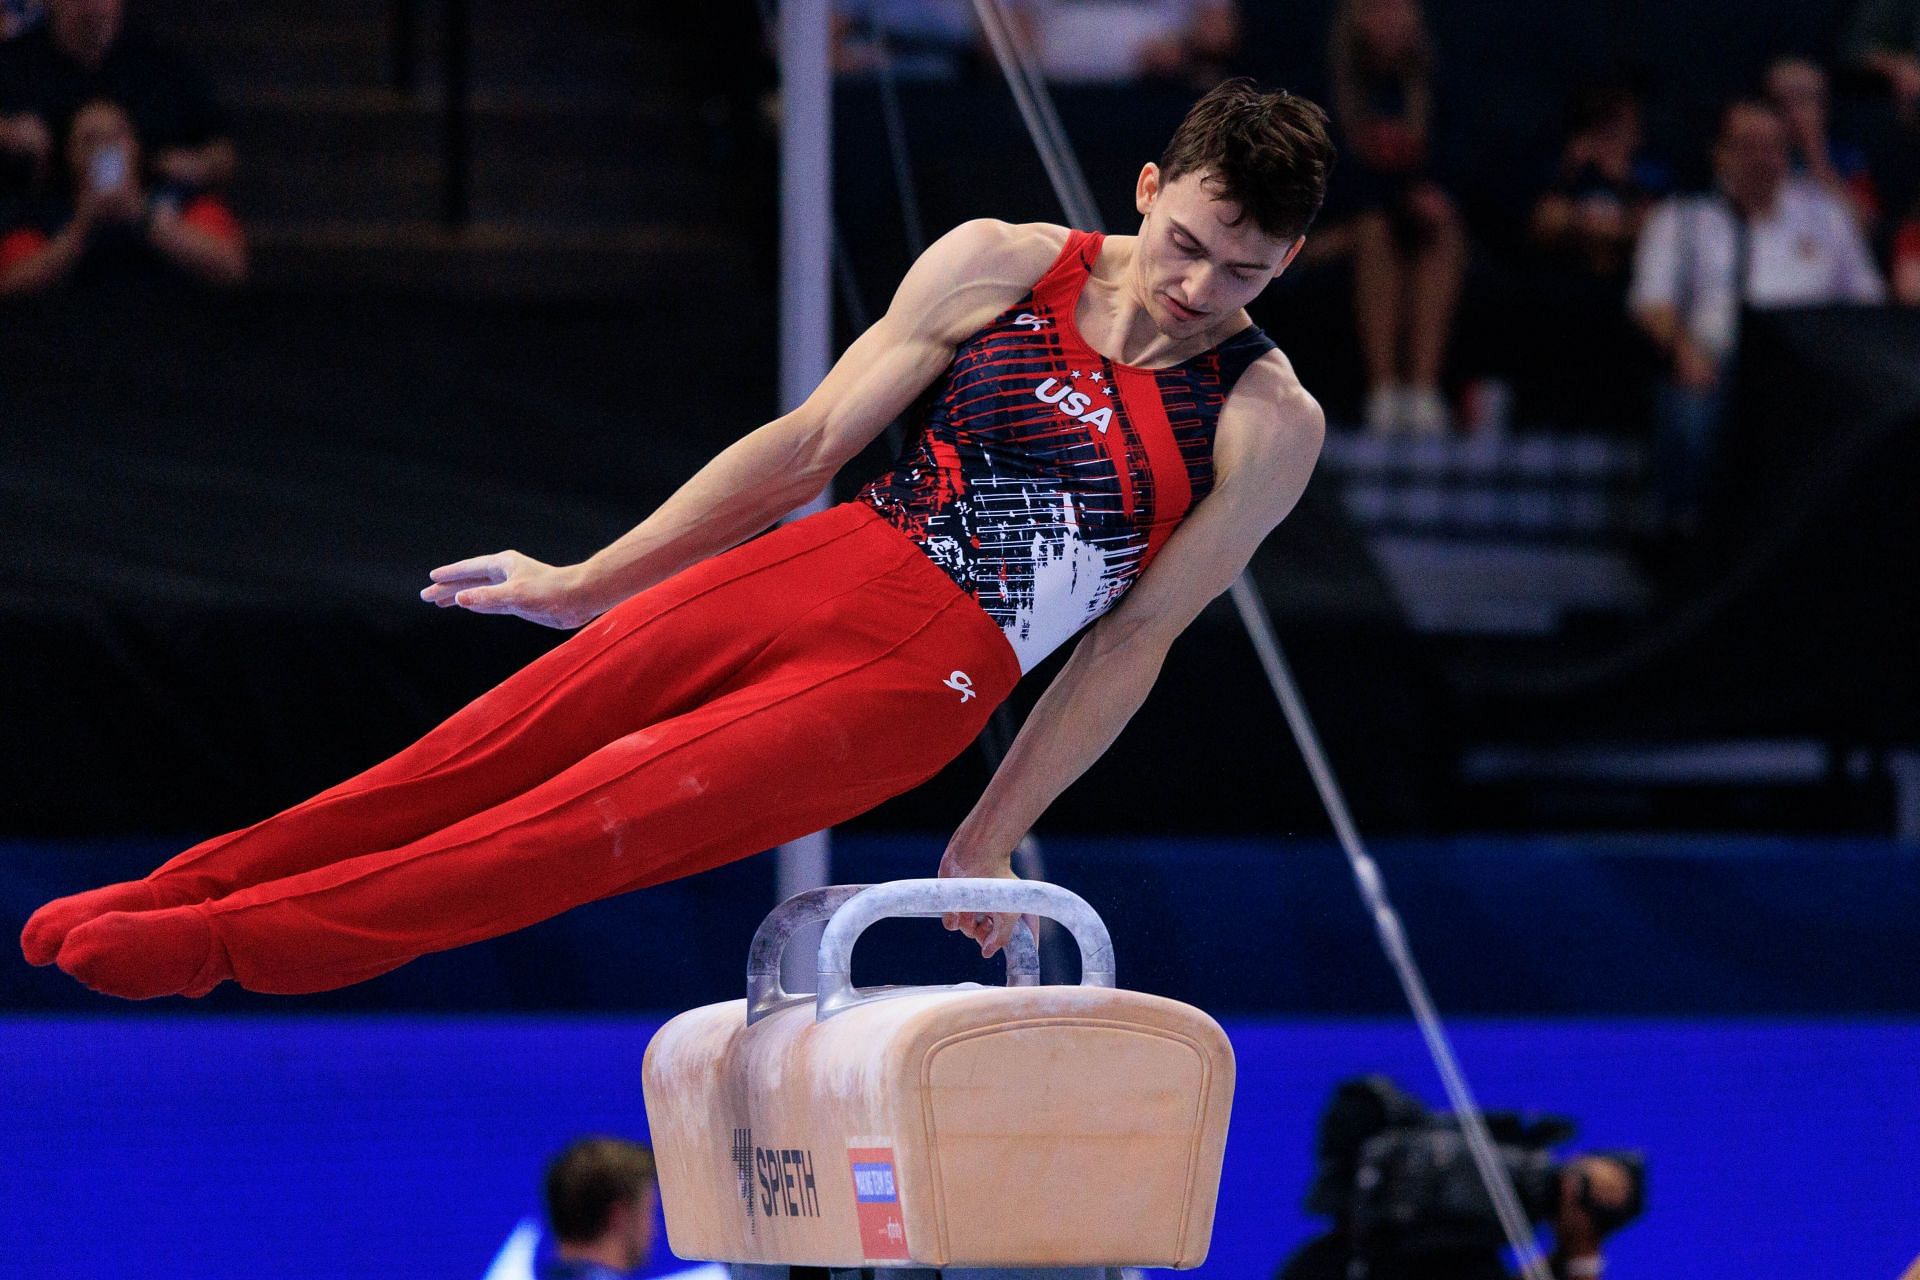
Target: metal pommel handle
point(862, 909)
point(764, 990)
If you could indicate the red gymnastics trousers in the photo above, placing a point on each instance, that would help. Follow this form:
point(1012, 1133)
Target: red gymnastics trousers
point(765, 693)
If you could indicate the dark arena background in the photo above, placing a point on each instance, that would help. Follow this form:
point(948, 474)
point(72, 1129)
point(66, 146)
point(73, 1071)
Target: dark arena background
point(1610, 630)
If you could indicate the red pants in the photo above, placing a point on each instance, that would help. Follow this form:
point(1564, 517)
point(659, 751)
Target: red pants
point(771, 691)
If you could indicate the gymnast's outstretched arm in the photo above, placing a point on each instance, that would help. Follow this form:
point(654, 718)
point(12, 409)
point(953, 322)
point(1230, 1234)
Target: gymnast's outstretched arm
point(961, 282)
point(1268, 439)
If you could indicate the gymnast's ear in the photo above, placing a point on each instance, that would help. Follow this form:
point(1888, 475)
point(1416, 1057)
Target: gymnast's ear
point(1146, 187)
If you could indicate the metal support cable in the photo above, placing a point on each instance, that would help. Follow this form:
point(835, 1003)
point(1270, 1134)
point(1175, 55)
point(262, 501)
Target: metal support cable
point(1017, 64)
point(1393, 937)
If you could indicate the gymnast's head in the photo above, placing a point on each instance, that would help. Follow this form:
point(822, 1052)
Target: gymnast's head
point(1227, 206)
point(600, 1197)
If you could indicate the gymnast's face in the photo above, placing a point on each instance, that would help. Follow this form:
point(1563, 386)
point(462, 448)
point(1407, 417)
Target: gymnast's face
point(1195, 268)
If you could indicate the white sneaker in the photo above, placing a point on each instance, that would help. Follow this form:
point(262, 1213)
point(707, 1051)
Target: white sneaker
point(1424, 411)
point(1385, 413)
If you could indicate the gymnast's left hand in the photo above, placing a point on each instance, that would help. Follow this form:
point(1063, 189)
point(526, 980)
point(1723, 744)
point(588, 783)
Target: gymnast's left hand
point(508, 582)
point(992, 932)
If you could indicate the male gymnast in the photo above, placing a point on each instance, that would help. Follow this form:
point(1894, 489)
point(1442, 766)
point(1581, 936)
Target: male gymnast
point(1105, 439)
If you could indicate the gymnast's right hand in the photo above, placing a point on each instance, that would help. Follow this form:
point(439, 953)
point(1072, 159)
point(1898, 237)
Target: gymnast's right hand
point(508, 582)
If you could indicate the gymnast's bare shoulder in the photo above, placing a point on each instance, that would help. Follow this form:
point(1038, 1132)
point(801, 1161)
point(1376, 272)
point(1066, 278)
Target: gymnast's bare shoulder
point(976, 271)
point(963, 280)
point(1271, 388)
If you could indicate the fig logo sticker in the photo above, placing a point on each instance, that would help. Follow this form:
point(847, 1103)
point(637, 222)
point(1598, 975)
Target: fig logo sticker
point(876, 1195)
point(963, 682)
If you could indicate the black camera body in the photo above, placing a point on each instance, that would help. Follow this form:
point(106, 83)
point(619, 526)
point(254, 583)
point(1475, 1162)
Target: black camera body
point(1401, 1182)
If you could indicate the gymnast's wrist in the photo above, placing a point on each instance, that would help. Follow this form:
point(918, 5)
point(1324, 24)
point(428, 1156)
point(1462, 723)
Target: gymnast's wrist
point(590, 589)
point(965, 857)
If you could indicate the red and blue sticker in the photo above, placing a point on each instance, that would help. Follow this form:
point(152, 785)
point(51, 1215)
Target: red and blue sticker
point(876, 1194)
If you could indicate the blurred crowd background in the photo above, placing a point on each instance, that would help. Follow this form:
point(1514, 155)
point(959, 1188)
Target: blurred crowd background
point(1611, 305)
point(1602, 596)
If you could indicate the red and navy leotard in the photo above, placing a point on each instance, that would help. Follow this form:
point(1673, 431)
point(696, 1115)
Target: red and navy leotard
point(1046, 477)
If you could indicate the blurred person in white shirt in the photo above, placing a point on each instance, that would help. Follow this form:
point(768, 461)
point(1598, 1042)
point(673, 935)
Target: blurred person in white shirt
point(1757, 240)
point(1116, 41)
point(1798, 86)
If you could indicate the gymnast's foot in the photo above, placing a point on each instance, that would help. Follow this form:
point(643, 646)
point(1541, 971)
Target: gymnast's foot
point(138, 955)
point(48, 927)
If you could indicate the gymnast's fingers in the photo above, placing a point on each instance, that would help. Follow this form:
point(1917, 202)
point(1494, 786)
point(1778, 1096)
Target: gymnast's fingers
point(1004, 927)
point(486, 599)
point(442, 593)
point(493, 568)
point(994, 932)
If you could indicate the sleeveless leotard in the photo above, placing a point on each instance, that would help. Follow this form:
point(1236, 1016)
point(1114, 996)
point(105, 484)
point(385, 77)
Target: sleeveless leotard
point(1046, 477)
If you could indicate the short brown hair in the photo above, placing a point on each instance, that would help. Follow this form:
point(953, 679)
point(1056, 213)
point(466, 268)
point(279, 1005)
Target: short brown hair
point(1267, 152)
point(590, 1177)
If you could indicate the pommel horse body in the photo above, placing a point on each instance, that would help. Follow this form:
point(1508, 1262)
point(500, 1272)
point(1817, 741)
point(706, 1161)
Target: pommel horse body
point(1002, 1132)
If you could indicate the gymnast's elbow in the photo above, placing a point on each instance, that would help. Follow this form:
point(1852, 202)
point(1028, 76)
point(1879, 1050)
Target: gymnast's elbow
point(794, 456)
point(1129, 640)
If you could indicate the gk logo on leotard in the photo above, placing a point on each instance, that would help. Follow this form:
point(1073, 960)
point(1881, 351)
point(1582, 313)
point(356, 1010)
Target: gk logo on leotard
point(1028, 320)
point(963, 682)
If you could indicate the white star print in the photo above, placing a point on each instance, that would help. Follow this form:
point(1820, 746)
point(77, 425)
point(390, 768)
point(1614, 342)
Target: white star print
point(1107, 390)
point(1099, 377)
point(1075, 375)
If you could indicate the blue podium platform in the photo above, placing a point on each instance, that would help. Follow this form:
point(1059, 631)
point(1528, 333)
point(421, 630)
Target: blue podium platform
point(235, 1147)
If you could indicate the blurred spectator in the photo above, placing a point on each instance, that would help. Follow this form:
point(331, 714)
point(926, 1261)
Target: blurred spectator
point(1572, 286)
point(1602, 191)
point(600, 1195)
point(1906, 260)
point(103, 223)
point(1884, 38)
point(85, 52)
point(1409, 247)
point(1190, 42)
point(1799, 88)
point(1758, 240)
point(18, 15)
point(917, 39)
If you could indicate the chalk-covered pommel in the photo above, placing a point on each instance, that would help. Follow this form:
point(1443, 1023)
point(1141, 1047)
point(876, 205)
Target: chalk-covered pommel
point(936, 897)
